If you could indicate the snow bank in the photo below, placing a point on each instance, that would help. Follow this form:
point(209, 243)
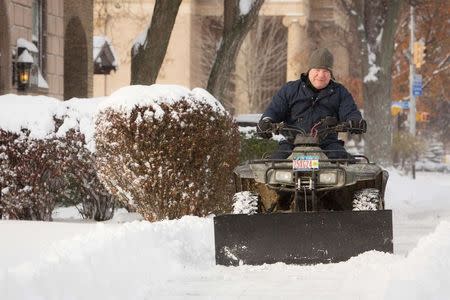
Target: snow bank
point(425, 273)
point(142, 260)
point(428, 192)
point(119, 262)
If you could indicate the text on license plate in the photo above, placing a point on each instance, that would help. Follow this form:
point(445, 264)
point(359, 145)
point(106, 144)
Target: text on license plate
point(305, 162)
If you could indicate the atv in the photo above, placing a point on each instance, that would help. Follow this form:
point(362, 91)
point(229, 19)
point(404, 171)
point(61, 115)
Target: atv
point(305, 209)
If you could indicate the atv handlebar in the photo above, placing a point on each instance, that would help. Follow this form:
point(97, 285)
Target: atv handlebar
point(320, 129)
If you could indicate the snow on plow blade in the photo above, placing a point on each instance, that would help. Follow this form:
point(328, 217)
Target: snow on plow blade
point(300, 238)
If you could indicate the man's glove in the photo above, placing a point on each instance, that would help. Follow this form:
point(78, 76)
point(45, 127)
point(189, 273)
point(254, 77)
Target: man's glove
point(263, 129)
point(357, 126)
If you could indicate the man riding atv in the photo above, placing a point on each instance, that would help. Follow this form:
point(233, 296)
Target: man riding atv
point(305, 102)
point(310, 202)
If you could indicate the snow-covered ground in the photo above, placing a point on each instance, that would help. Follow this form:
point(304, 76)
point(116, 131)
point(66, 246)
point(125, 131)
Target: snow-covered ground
point(126, 258)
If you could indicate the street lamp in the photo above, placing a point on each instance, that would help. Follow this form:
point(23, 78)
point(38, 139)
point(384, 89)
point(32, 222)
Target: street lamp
point(23, 65)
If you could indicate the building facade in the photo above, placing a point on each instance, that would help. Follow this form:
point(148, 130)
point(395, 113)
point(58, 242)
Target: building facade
point(38, 39)
point(304, 25)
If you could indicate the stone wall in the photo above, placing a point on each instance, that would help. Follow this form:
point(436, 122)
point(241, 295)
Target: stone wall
point(5, 53)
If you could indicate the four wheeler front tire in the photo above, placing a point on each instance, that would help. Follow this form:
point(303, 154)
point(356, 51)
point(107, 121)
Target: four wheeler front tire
point(367, 199)
point(245, 203)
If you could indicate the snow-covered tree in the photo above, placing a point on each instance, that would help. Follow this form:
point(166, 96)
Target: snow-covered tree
point(376, 23)
point(429, 18)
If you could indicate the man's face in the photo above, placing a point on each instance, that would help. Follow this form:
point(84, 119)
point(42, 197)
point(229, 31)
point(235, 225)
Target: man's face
point(319, 77)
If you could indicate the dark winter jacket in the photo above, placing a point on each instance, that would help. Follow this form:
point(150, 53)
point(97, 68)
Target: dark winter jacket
point(297, 104)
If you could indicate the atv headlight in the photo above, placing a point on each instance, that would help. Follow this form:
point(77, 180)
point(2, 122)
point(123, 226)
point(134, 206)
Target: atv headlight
point(328, 177)
point(283, 176)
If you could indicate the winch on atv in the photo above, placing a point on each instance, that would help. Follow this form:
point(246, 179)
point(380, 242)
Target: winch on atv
point(315, 209)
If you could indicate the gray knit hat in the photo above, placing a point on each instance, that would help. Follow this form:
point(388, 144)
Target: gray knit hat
point(321, 59)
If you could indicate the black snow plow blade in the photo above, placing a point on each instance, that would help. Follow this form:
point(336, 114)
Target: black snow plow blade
point(300, 238)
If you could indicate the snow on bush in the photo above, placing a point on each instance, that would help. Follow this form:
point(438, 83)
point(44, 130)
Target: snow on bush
point(167, 151)
point(44, 158)
point(30, 176)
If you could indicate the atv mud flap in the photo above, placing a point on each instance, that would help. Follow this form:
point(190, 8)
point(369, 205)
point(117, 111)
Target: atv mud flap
point(300, 238)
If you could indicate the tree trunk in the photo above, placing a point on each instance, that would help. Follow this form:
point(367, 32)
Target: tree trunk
point(148, 58)
point(377, 94)
point(376, 23)
point(236, 27)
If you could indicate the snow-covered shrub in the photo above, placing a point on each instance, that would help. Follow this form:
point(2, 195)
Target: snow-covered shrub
point(167, 151)
point(45, 158)
point(30, 176)
point(432, 159)
point(36, 174)
point(82, 183)
point(406, 148)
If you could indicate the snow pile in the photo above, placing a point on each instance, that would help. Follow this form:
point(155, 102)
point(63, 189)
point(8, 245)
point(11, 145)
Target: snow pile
point(175, 259)
point(429, 192)
point(120, 262)
point(142, 260)
point(425, 273)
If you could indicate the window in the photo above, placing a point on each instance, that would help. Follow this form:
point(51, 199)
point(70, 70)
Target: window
point(38, 35)
point(37, 29)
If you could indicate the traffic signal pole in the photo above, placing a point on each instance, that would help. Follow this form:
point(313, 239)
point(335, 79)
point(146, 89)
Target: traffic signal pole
point(412, 98)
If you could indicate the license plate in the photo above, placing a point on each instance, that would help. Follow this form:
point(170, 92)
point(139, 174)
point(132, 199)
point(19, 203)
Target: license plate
point(305, 163)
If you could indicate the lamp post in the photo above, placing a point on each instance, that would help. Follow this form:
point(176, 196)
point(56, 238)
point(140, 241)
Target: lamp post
point(23, 65)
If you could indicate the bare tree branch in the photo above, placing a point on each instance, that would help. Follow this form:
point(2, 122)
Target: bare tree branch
point(236, 27)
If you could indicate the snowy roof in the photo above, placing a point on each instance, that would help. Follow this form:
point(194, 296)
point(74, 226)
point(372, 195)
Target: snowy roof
point(103, 49)
point(25, 57)
point(23, 43)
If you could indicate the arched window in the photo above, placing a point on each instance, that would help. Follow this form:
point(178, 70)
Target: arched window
point(37, 30)
point(38, 37)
